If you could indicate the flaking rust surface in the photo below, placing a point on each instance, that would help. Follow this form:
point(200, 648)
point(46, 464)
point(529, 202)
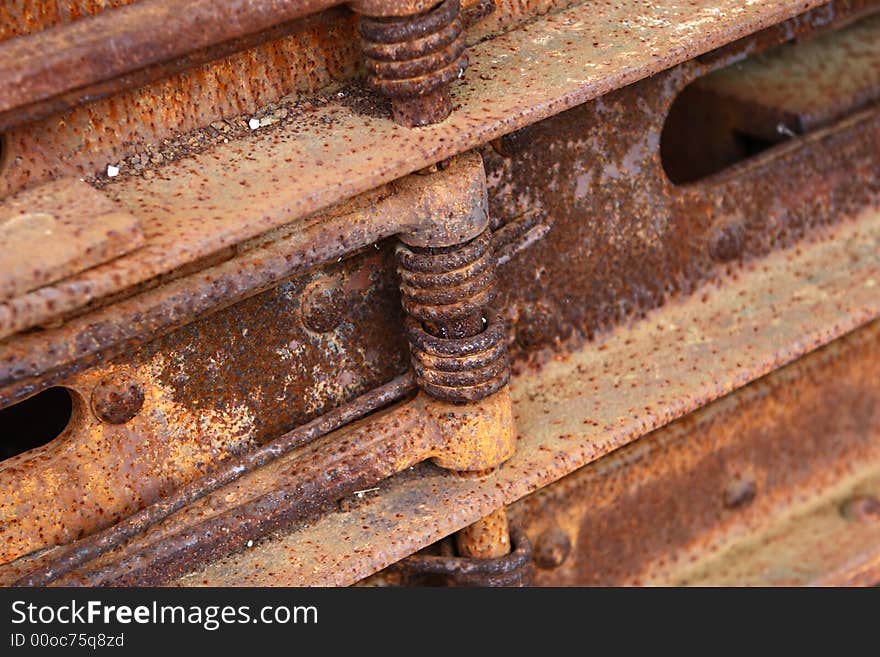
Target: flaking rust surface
point(195, 206)
point(816, 546)
point(590, 177)
point(136, 128)
point(558, 283)
point(60, 229)
point(589, 403)
point(29, 16)
point(653, 240)
point(817, 84)
point(659, 508)
point(214, 388)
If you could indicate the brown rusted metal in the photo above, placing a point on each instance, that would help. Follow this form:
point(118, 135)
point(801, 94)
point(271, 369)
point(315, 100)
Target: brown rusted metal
point(207, 103)
point(116, 399)
point(236, 379)
point(862, 508)
point(414, 59)
point(803, 87)
point(448, 206)
point(740, 110)
point(170, 207)
point(55, 148)
point(195, 405)
point(488, 538)
point(474, 11)
point(676, 502)
point(458, 348)
point(476, 437)
point(846, 176)
point(165, 248)
point(815, 547)
point(552, 548)
point(57, 230)
point(128, 38)
point(111, 88)
point(786, 307)
point(511, 569)
point(391, 8)
point(288, 487)
point(655, 242)
point(96, 544)
point(162, 121)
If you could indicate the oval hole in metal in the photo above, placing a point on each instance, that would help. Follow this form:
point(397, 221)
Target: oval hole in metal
point(34, 422)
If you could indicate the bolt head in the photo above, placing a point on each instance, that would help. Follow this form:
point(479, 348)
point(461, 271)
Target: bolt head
point(552, 548)
point(727, 239)
point(861, 508)
point(117, 398)
point(324, 307)
point(740, 491)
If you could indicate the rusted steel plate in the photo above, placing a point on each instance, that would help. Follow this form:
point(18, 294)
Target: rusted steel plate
point(552, 63)
point(57, 230)
point(245, 375)
point(100, 542)
point(295, 485)
point(112, 44)
point(241, 376)
point(659, 237)
point(450, 199)
point(211, 390)
point(175, 115)
point(128, 38)
point(680, 499)
point(27, 16)
point(326, 21)
point(834, 543)
point(640, 240)
point(667, 239)
point(803, 87)
point(589, 403)
point(170, 117)
point(839, 182)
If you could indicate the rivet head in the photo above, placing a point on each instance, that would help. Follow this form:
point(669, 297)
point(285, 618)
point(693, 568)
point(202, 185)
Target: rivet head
point(324, 307)
point(727, 239)
point(117, 398)
point(740, 492)
point(861, 508)
point(552, 548)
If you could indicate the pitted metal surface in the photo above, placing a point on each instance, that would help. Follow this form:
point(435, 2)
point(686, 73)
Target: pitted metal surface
point(260, 301)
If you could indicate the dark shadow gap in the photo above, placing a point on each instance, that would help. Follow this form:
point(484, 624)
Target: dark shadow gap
point(34, 422)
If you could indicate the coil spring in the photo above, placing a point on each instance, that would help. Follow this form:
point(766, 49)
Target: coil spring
point(450, 287)
point(414, 55)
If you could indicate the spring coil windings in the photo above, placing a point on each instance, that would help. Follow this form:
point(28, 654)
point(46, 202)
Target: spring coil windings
point(413, 56)
point(458, 346)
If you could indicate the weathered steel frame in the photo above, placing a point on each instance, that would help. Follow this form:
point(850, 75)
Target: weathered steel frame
point(542, 325)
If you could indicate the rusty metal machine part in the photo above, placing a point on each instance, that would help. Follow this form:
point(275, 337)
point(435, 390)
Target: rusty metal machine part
point(147, 41)
point(628, 269)
point(130, 128)
point(773, 314)
point(445, 208)
point(454, 200)
point(117, 398)
point(488, 538)
point(287, 482)
point(476, 438)
point(512, 569)
point(459, 349)
point(684, 505)
point(414, 59)
point(98, 543)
